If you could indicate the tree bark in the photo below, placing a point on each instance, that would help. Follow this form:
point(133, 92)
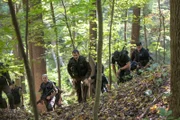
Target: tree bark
point(57, 45)
point(175, 56)
point(67, 24)
point(28, 71)
point(135, 26)
point(93, 33)
point(99, 60)
point(37, 50)
point(125, 25)
point(110, 33)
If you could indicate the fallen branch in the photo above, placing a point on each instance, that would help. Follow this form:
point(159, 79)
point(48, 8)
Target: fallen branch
point(147, 109)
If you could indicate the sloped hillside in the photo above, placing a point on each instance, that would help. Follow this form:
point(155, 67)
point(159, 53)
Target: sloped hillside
point(145, 96)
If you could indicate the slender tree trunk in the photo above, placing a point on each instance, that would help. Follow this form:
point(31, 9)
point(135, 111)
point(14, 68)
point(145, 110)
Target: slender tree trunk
point(164, 38)
point(175, 56)
point(110, 33)
point(93, 33)
point(67, 24)
point(160, 25)
point(145, 31)
point(93, 43)
point(26, 9)
point(125, 25)
point(57, 45)
point(28, 71)
point(99, 60)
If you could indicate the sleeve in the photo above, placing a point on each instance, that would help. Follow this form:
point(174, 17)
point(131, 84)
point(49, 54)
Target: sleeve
point(113, 61)
point(127, 59)
point(146, 54)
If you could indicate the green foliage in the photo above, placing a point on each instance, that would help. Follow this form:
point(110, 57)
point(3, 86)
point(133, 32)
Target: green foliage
point(163, 112)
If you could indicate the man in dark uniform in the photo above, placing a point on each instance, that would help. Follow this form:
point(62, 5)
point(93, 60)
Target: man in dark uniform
point(104, 85)
point(80, 70)
point(140, 55)
point(49, 91)
point(17, 94)
point(123, 61)
point(5, 82)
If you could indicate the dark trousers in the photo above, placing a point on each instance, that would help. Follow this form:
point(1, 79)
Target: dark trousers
point(103, 85)
point(6, 89)
point(79, 88)
point(124, 76)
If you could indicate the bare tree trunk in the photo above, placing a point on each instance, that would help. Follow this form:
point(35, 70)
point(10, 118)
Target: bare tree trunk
point(145, 31)
point(135, 26)
point(160, 25)
point(93, 33)
point(99, 60)
point(164, 39)
point(37, 51)
point(28, 71)
point(110, 33)
point(93, 43)
point(67, 24)
point(125, 25)
point(175, 56)
point(26, 9)
point(57, 45)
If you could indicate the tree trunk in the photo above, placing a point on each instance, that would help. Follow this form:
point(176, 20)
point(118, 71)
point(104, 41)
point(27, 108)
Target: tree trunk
point(28, 70)
point(57, 45)
point(110, 33)
point(99, 60)
point(68, 25)
point(135, 26)
point(175, 56)
point(37, 51)
point(93, 39)
point(125, 25)
point(160, 25)
point(145, 31)
point(93, 33)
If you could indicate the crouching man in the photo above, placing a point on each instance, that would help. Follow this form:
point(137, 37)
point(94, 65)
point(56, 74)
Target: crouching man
point(49, 91)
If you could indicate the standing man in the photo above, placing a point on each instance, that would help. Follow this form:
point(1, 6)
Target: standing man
point(5, 83)
point(80, 70)
point(49, 91)
point(123, 61)
point(140, 55)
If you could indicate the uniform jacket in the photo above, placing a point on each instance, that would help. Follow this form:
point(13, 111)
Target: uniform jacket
point(80, 68)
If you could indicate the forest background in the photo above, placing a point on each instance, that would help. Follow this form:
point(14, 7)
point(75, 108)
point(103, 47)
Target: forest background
point(51, 29)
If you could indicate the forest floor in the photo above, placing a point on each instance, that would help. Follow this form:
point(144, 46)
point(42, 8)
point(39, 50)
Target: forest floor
point(145, 97)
